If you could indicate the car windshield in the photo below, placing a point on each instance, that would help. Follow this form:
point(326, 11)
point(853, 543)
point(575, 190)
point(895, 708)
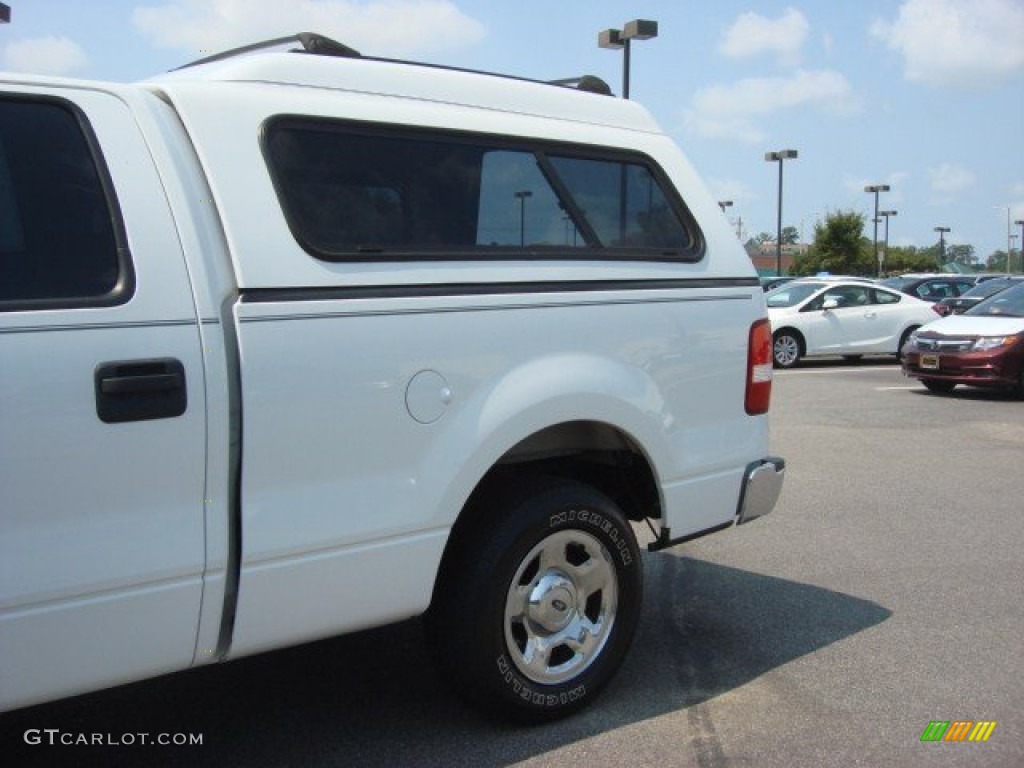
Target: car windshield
point(1008, 303)
point(791, 294)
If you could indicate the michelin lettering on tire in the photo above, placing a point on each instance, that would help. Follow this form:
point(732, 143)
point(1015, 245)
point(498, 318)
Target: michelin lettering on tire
point(598, 521)
point(527, 693)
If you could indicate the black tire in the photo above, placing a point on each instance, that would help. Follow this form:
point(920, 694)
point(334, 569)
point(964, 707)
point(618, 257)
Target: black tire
point(939, 386)
point(786, 349)
point(550, 564)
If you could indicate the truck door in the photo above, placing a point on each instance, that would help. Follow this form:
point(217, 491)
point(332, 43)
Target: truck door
point(102, 436)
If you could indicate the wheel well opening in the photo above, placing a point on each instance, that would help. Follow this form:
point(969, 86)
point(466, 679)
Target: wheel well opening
point(590, 452)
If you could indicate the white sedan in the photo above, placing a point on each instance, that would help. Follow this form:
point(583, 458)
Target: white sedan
point(841, 317)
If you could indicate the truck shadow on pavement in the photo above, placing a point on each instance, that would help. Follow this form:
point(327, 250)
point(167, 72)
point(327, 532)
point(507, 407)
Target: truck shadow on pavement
point(372, 699)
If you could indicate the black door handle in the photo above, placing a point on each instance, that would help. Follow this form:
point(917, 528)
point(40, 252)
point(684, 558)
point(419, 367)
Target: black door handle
point(131, 385)
point(140, 390)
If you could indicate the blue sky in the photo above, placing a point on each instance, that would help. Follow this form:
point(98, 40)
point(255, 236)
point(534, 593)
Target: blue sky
point(924, 95)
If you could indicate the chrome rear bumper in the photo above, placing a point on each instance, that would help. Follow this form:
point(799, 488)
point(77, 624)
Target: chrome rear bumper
point(761, 487)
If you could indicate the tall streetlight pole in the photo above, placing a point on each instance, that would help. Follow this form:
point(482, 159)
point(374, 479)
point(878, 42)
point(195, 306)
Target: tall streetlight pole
point(876, 188)
point(778, 157)
point(1019, 223)
point(885, 251)
point(638, 29)
point(942, 244)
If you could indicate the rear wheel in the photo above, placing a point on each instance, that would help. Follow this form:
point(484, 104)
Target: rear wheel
point(786, 349)
point(938, 386)
point(537, 600)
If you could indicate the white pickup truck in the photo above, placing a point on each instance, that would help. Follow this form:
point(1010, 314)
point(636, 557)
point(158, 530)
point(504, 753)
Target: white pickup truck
point(299, 342)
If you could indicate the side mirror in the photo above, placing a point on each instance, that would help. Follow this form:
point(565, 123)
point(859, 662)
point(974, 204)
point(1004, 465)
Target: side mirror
point(829, 304)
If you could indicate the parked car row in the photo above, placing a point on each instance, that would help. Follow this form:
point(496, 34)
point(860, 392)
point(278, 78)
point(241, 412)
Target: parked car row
point(956, 305)
point(975, 339)
point(931, 287)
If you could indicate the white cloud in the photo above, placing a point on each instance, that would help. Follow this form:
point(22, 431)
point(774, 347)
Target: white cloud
point(752, 34)
point(45, 56)
point(378, 27)
point(957, 42)
point(729, 111)
point(948, 180)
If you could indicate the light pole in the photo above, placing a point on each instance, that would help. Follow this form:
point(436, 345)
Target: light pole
point(778, 157)
point(942, 245)
point(1019, 223)
point(638, 29)
point(723, 204)
point(876, 188)
point(885, 251)
point(522, 195)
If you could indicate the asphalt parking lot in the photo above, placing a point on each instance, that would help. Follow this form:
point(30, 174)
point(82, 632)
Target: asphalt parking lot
point(882, 594)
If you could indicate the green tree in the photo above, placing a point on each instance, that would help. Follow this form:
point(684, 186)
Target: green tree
point(790, 236)
point(839, 247)
point(997, 262)
point(962, 254)
point(911, 259)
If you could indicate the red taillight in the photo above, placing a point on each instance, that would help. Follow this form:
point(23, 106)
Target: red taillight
point(759, 368)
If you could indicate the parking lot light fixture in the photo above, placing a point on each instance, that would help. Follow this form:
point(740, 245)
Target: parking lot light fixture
point(638, 29)
point(942, 245)
point(1019, 223)
point(778, 157)
point(875, 189)
point(723, 204)
point(5, 13)
point(885, 250)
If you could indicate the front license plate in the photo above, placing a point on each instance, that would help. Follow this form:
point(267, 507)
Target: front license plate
point(930, 362)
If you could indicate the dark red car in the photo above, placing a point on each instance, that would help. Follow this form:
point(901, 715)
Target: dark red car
point(984, 347)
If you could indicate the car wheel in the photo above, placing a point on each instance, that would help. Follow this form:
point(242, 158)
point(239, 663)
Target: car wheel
point(537, 600)
point(903, 342)
point(938, 386)
point(785, 349)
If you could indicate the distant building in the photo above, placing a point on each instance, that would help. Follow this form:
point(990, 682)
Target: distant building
point(764, 258)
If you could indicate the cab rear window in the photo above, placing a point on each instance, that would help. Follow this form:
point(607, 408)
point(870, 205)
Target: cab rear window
point(60, 242)
point(350, 192)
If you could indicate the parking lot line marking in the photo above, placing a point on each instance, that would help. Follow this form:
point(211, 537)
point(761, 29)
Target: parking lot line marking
point(804, 372)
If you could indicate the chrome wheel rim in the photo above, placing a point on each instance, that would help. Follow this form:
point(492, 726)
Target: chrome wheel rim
point(787, 350)
point(561, 607)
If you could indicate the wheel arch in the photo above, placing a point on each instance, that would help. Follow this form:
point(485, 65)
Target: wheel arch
point(795, 333)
